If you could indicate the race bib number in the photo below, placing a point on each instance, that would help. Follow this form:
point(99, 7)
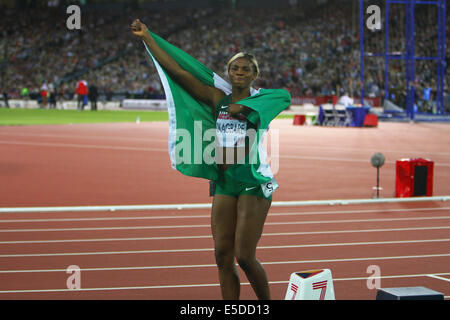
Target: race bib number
point(230, 132)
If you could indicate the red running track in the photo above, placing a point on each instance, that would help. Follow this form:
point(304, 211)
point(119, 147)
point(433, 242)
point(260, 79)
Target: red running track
point(169, 255)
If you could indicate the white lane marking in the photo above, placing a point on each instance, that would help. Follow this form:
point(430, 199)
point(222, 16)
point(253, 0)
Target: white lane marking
point(210, 236)
point(316, 245)
point(208, 226)
point(437, 277)
point(295, 146)
point(195, 285)
point(214, 265)
point(72, 145)
point(85, 146)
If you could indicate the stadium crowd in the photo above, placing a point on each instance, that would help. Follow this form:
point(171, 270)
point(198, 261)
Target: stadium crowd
point(309, 50)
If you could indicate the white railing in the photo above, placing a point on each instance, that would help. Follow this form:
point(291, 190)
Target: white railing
point(113, 208)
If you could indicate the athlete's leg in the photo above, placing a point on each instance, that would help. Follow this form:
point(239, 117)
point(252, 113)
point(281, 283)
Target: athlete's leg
point(251, 215)
point(223, 225)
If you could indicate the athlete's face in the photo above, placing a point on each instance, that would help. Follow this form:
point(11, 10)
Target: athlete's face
point(241, 73)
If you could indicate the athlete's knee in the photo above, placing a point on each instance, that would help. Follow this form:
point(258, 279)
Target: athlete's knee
point(245, 261)
point(224, 257)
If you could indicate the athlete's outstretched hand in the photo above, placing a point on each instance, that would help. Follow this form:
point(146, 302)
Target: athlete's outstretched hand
point(138, 28)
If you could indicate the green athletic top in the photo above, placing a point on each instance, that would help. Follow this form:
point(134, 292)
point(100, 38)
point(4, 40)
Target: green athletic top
point(231, 132)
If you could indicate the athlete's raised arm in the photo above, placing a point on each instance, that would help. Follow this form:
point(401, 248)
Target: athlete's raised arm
point(208, 94)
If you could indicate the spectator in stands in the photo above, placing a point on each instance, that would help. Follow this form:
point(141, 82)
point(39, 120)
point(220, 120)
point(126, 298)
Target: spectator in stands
point(44, 94)
point(426, 105)
point(52, 96)
point(25, 95)
point(447, 98)
point(61, 96)
point(317, 40)
point(345, 100)
point(82, 94)
point(5, 97)
point(93, 95)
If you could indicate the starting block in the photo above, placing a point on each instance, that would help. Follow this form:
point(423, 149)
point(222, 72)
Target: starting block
point(310, 285)
point(408, 293)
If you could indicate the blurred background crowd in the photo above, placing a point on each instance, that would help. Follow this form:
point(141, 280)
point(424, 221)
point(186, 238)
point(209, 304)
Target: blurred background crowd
point(311, 48)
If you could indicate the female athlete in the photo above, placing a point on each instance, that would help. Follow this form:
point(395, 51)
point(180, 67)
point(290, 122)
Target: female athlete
point(239, 210)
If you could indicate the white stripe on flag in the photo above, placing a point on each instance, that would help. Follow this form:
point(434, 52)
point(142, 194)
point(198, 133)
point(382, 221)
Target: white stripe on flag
point(171, 110)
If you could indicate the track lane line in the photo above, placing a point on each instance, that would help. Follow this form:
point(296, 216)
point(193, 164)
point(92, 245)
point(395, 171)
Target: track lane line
point(195, 285)
point(83, 146)
point(295, 146)
point(209, 226)
point(78, 137)
point(210, 236)
point(124, 148)
point(214, 265)
point(317, 245)
point(437, 277)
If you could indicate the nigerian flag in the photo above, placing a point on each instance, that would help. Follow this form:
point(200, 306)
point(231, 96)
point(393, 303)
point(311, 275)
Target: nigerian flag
point(192, 126)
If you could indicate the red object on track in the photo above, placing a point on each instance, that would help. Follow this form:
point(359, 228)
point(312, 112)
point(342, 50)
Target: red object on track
point(414, 177)
point(371, 120)
point(299, 119)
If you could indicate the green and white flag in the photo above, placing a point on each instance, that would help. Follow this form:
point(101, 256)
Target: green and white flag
point(192, 124)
